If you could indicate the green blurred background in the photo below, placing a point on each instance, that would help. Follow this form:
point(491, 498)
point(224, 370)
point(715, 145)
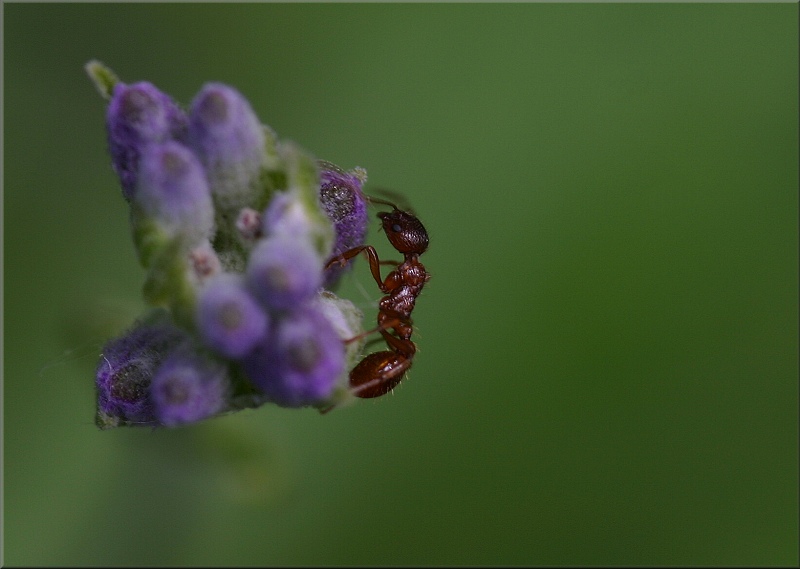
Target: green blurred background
point(608, 365)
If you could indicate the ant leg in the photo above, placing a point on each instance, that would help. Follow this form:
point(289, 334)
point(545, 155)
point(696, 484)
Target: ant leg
point(347, 255)
point(386, 320)
point(383, 326)
point(374, 262)
point(372, 341)
point(400, 345)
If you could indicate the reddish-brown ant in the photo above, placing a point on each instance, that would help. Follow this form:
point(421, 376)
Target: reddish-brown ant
point(379, 372)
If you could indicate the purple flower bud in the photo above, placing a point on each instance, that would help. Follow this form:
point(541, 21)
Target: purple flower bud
point(188, 387)
point(346, 206)
point(286, 215)
point(302, 361)
point(172, 189)
point(125, 370)
point(229, 139)
point(283, 272)
point(230, 320)
point(139, 115)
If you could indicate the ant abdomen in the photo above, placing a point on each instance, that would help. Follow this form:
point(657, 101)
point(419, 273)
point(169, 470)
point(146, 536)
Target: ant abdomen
point(378, 373)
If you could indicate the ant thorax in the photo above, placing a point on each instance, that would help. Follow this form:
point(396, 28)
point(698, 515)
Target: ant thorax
point(413, 273)
point(406, 283)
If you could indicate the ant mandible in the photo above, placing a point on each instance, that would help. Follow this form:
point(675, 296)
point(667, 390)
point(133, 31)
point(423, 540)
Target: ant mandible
point(379, 372)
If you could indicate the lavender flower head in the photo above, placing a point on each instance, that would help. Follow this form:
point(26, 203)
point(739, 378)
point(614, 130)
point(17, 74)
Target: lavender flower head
point(234, 228)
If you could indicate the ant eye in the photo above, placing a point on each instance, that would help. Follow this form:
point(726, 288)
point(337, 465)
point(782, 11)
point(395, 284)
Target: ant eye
point(396, 227)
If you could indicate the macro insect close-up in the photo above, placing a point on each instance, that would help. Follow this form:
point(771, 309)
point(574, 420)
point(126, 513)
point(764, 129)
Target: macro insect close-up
point(383, 284)
point(379, 372)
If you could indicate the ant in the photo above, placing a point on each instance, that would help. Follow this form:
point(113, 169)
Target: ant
point(379, 372)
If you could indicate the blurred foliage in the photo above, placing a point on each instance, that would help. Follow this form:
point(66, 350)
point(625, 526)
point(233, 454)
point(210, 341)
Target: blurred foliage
point(608, 365)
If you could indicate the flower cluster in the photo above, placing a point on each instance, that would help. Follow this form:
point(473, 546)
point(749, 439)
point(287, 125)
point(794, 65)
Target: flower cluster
point(234, 229)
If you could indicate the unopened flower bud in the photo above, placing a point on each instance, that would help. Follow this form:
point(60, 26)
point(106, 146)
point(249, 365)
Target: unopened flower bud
point(229, 139)
point(346, 206)
point(172, 190)
point(231, 322)
point(125, 371)
point(139, 115)
point(188, 387)
point(283, 272)
point(287, 215)
point(301, 363)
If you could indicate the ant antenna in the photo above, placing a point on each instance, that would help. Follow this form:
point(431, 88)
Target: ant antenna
point(396, 197)
point(373, 200)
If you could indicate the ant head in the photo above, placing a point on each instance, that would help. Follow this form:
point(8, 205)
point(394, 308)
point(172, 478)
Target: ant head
point(405, 232)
